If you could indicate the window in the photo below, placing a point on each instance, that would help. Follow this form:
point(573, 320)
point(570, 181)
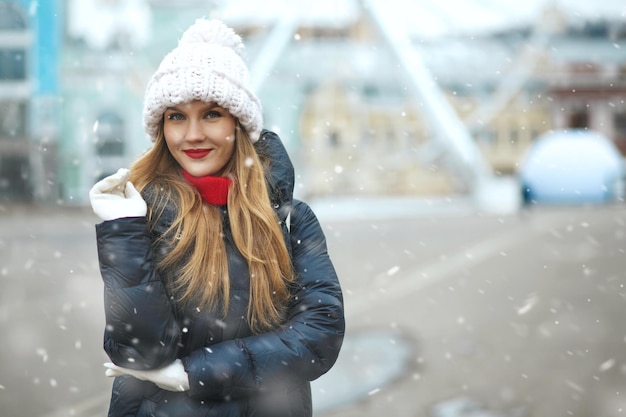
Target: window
point(334, 140)
point(11, 17)
point(14, 178)
point(619, 119)
point(579, 120)
point(371, 91)
point(12, 55)
point(110, 135)
point(12, 119)
point(12, 64)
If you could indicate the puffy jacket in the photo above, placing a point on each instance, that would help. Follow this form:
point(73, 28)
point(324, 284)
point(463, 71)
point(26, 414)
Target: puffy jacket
point(232, 372)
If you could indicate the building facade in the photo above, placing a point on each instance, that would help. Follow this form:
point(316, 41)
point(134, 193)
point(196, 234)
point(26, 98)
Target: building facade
point(71, 106)
point(355, 126)
point(29, 100)
point(103, 80)
point(587, 79)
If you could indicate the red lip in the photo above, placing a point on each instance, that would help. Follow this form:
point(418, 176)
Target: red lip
point(197, 153)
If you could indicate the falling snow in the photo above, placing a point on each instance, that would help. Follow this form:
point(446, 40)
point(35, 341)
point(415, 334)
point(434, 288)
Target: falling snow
point(451, 305)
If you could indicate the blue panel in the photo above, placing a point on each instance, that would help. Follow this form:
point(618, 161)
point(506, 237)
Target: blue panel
point(47, 15)
point(44, 20)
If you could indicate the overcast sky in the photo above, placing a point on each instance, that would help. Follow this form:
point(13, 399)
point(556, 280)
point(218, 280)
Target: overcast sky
point(420, 18)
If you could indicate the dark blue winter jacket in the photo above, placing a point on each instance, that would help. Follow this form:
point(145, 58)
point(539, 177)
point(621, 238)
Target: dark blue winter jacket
point(232, 372)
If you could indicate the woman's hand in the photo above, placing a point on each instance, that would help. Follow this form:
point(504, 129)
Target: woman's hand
point(172, 378)
point(115, 197)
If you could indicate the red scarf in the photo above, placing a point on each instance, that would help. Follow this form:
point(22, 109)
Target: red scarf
point(214, 190)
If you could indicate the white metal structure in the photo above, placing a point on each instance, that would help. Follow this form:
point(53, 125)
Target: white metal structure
point(451, 137)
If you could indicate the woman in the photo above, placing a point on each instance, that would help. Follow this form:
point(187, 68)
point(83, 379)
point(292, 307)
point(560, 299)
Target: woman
point(220, 297)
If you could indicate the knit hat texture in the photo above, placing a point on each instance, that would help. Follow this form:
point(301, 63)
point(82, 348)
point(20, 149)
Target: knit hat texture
point(207, 66)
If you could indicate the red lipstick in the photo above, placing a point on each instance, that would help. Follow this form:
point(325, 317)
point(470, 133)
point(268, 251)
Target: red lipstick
point(197, 153)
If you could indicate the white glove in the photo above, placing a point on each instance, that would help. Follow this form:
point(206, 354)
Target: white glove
point(115, 197)
point(172, 378)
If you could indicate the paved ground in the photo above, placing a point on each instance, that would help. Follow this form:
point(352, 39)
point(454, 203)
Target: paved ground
point(523, 313)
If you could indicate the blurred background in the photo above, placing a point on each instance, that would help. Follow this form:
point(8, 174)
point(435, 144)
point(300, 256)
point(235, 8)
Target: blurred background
point(373, 98)
point(447, 147)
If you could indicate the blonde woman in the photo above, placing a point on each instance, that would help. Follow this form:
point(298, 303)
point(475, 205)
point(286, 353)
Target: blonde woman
point(220, 296)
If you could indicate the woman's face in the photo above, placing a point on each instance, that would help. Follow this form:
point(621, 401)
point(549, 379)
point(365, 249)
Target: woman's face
point(200, 136)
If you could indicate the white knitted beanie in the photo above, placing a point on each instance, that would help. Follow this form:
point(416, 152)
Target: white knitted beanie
point(205, 66)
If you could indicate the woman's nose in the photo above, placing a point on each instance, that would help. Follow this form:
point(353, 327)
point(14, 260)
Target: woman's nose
point(194, 132)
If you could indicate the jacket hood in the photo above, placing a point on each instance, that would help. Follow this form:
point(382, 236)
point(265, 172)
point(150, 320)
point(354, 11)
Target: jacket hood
point(281, 176)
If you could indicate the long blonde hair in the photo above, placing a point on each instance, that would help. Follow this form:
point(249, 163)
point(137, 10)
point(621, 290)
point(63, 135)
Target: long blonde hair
point(196, 233)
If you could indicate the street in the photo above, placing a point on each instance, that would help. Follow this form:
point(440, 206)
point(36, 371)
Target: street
point(522, 313)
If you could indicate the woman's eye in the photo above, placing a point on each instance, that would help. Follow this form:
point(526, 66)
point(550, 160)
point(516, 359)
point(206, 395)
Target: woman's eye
point(213, 115)
point(175, 116)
